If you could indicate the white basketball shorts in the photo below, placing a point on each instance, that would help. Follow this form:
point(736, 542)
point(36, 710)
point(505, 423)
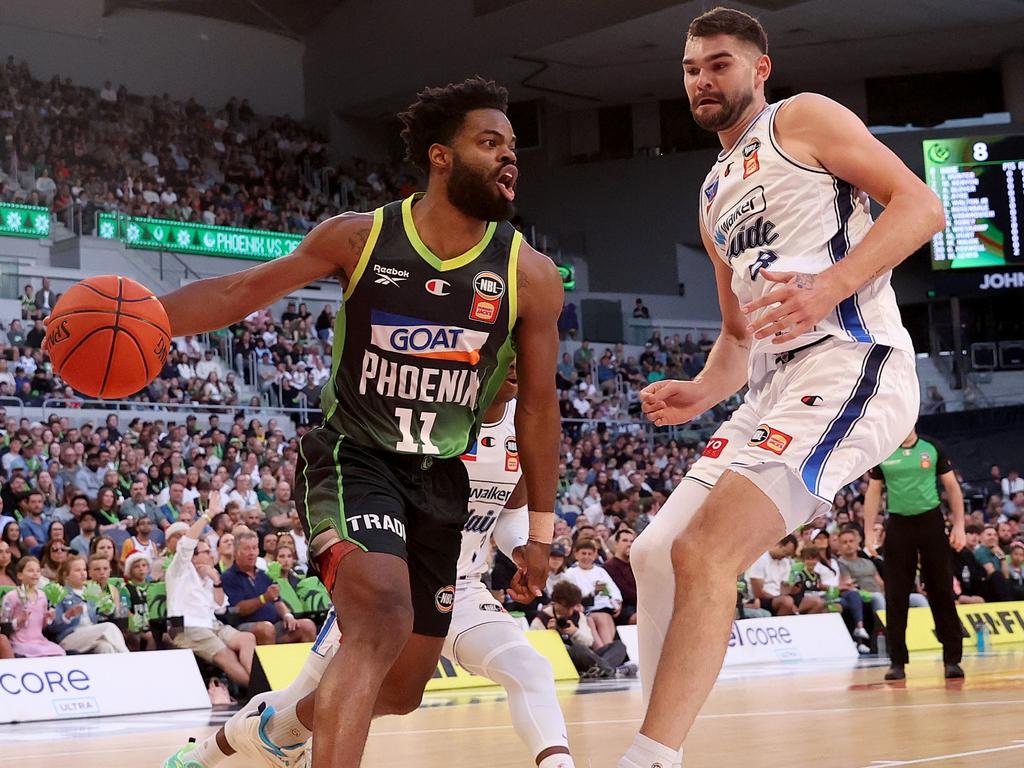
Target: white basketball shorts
point(474, 605)
point(815, 422)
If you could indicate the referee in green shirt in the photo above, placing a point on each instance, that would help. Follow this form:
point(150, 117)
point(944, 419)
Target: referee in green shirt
point(916, 528)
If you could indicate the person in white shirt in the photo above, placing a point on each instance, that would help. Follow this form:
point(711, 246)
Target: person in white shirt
point(601, 596)
point(1012, 483)
point(194, 593)
point(769, 580)
point(243, 493)
point(209, 364)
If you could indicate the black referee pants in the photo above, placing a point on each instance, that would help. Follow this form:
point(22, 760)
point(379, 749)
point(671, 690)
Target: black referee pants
point(907, 537)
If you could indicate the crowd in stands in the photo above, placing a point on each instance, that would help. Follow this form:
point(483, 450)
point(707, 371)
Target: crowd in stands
point(153, 535)
point(69, 146)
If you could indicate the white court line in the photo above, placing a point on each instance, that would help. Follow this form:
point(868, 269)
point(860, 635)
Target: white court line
point(624, 721)
point(919, 761)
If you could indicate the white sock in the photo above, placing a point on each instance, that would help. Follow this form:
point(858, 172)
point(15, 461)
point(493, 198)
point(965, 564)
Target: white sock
point(208, 752)
point(285, 729)
point(561, 760)
point(646, 752)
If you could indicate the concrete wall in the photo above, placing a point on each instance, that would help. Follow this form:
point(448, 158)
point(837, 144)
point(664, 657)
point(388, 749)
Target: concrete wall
point(153, 52)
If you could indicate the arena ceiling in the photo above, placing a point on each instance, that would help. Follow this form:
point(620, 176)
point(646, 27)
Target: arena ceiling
point(586, 52)
point(291, 18)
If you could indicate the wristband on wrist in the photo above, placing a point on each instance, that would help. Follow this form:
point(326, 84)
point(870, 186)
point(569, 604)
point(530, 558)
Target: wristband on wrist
point(263, 599)
point(542, 527)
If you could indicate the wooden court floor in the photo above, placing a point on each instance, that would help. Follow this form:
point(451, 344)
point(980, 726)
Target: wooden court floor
point(824, 717)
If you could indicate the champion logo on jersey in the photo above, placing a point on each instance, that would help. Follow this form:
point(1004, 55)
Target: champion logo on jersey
point(487, 441)
point(425, 339)
point(437, 287)
point(389, 275)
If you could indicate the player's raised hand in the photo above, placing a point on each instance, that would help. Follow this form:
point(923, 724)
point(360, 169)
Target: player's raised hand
point(803, 301)
point(669, 401)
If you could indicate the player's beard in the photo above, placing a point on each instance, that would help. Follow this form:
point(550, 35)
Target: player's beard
point(475, 193)
point(729, 111)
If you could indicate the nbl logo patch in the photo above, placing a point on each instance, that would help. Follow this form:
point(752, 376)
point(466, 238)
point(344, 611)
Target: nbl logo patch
point(444, 600)
point(511, 454)
point(488, 290)
point(770, 439)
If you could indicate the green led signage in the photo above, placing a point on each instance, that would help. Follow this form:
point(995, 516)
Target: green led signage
point(18, 220)
point(184, 237)
point(568, 273)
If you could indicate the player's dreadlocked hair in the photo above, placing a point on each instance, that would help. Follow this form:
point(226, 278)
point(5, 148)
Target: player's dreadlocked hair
point(437, 114)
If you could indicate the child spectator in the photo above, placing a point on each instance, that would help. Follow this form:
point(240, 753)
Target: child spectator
point(138, 637)
point(77, 623)
point(29, 612)
point(601, 596)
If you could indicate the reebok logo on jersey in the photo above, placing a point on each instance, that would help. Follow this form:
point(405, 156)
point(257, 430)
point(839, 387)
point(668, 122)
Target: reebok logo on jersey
point(389, 275)
point(437, 287)
point(751, 204)
point(422, 338)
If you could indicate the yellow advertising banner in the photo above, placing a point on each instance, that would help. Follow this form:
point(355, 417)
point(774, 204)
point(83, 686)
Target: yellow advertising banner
point(1004, 621)
point(281, 664)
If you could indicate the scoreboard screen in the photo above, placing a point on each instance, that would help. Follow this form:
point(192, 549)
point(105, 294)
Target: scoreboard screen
point(980, 181)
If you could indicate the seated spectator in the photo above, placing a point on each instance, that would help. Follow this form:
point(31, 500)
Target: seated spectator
point(12, 535)
point(138, 637)
point(600, 593)
point(860, 574)
point(78, 625)
point(258, 600)
point(29, 613)
point(88, 523)
point(225, 553)
point(33, 526)
point(301, 544)
point(105, 546)
point(107, 512)
point(565, 615)
point(278, 512)
point(98, 568)
point(195, 593)
point(619, 568)
point(52, 555)
point(8, 574)
point(1013, 570)
point(140, 504)
point(990, 557)
point(770, 581)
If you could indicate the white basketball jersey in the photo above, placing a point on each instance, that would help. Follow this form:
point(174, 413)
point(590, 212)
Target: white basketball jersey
point(765, 210)
point(493, 468)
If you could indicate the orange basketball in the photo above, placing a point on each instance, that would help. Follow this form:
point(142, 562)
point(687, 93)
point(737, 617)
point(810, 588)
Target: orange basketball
point(108, 336)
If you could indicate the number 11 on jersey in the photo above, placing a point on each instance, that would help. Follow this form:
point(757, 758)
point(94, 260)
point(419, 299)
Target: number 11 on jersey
point(408, 444)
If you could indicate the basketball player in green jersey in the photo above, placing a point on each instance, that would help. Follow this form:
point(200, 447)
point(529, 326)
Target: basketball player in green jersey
point(439, 293)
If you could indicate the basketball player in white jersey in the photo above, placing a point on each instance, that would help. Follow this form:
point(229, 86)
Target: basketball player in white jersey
point(483, 638)
point(809, 323)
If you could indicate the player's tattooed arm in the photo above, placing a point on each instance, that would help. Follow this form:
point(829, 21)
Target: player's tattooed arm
point(357, 240)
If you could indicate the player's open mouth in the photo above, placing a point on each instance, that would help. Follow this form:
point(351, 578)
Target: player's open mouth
point(707, 101)
point(507, 182)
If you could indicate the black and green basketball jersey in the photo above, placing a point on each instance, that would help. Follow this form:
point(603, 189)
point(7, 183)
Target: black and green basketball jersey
point(911, 475)
point(421, 344)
